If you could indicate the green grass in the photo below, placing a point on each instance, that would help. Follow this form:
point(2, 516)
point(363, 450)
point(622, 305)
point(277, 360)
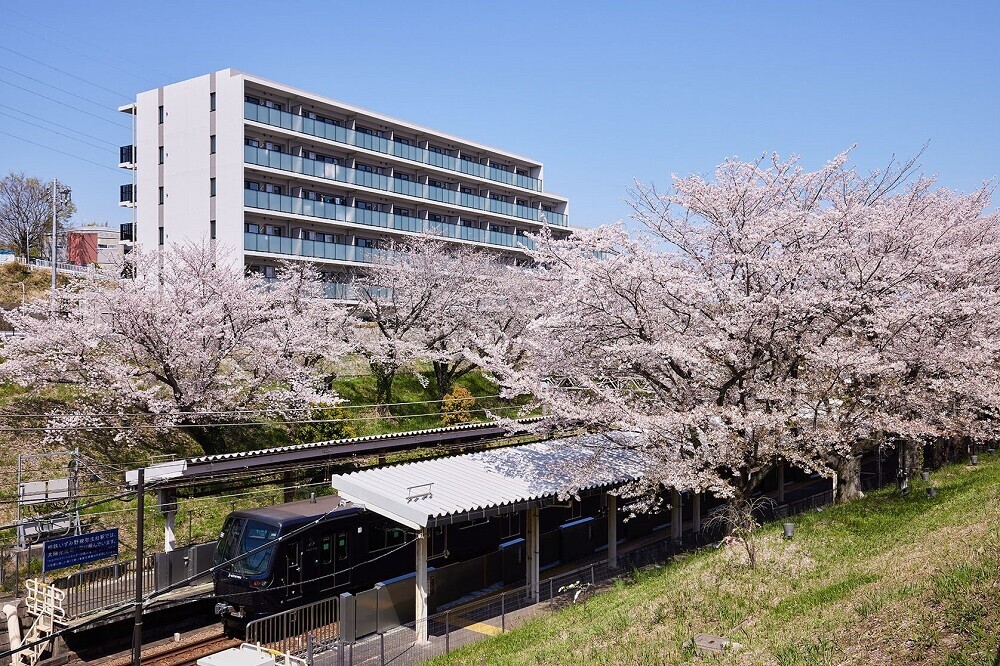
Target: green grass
point(884, 580)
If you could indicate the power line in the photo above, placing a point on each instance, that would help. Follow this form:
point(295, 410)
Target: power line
point(55, 150)
point(49, 122)
point(62, 71)
point(225, 412)
point(144, 426)
point(49, 129)
point(69, 106)
point(62, 90)
point(63, 46)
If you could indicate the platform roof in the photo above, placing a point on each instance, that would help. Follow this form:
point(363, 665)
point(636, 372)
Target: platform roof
point(456, 489)
point(176, 473)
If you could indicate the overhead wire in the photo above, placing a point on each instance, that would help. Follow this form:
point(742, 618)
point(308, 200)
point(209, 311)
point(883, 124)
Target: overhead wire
point(102, 105)
point(62, 71)
point(61, 152)
point(259, 411)
point(69, 106)
point(49, 129)
point(49, 122)
point(66, 48)
point(232, 424)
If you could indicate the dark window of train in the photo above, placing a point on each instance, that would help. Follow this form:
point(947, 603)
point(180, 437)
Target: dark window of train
point(327, 549)
point(342, 547)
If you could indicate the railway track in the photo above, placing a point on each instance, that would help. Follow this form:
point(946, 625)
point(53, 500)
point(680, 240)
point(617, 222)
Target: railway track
point(188, 655)
point(167, 652)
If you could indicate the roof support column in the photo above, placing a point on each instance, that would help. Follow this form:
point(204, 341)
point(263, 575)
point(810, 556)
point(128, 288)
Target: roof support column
point(167, 501)
point(612, 531)
point(531, 548)
point(420, 619)
point(676, 517)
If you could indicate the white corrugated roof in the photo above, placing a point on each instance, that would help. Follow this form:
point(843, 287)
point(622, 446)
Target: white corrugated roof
point(417, 493)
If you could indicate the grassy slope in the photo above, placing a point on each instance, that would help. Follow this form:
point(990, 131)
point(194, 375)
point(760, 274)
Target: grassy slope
point(885, 580)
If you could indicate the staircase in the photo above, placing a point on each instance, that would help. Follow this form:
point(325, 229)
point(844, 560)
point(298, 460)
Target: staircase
point(45, 603)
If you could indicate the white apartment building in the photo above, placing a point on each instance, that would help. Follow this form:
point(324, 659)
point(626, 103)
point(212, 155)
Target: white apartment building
point(279, 173)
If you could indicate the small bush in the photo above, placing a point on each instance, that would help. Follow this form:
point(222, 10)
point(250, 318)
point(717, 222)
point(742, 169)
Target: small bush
point(457, 406)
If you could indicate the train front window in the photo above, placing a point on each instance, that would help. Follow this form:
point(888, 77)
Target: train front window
point(229, 539)
point(255, 535)
point(241, 535)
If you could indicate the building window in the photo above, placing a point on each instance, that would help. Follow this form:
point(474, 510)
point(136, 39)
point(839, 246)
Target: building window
point(161, 195)
point(403, 212)
point(211, 101)
point(211, 187)
point(268, 145)
point(161, 155)
point(251, 228)
point(434, 217)
point(161, 115)
point(211, 144)
point(211, 229)
point(161, 235)
point(253, 143)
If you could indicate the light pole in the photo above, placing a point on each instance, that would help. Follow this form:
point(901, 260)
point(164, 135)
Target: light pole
point(65, 192)
point(22, 293)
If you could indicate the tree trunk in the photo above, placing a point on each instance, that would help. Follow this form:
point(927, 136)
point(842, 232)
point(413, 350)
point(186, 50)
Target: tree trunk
point(911, 456)
point(384, 374)
point(443, 381)
point(212, 440)
point(848, 478)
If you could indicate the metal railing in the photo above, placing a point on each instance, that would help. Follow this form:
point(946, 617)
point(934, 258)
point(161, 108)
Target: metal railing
point(289, 630)
point(101, 588)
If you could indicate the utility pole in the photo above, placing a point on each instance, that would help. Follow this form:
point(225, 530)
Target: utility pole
point(139, 525)
point(55, 186)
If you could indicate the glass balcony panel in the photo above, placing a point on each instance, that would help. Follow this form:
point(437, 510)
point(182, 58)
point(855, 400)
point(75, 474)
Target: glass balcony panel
point(473, 168)
point(500, 175)
point(262, 114)
point(525, 212)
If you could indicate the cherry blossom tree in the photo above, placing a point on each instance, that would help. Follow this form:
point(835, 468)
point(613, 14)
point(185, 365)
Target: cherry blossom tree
point(770, 313)
point(189, 341)
point(422, 301)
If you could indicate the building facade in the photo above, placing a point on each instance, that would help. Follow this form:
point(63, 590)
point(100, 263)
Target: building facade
point(94, 244)
point(278, 173)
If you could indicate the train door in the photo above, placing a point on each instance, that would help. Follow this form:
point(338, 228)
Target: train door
point(293, 570)
point(311, 568)
point(341, 559)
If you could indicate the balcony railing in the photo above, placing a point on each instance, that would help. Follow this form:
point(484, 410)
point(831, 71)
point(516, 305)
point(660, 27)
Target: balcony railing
point(329, 211)
point(298, 247)
point(342, 174)
point(126, 195)
point(290, 121)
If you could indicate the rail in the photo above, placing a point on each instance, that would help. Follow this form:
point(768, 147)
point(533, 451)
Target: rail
point(288, 630)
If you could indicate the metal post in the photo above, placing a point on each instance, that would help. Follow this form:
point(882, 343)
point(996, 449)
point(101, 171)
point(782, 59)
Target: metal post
point(55, 185)
point(381, 649)
point(309, 648)
point(593, 581)
point(503, 612)
point(879, 471)
point(139, 525)
point(447, 634)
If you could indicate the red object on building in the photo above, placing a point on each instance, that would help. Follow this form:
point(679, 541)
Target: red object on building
point(81, 248)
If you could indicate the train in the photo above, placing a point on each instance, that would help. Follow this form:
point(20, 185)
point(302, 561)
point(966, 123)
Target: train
point(325, 546)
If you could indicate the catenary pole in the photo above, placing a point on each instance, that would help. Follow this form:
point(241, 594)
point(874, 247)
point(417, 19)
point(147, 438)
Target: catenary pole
point(137, 631)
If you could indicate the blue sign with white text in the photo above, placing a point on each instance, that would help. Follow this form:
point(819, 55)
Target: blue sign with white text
point(70, 551)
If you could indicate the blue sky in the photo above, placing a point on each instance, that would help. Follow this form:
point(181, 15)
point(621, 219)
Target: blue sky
point(602, 93)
